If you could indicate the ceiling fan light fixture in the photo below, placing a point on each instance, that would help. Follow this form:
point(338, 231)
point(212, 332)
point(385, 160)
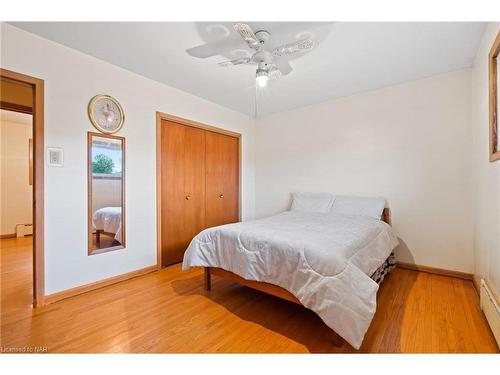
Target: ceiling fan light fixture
point(261, 77)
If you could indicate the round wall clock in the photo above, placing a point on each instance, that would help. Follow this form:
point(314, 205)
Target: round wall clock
point(106, 114)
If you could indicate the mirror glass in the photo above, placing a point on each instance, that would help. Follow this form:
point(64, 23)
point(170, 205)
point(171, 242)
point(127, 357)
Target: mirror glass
point(498, 106)
point(106, 166)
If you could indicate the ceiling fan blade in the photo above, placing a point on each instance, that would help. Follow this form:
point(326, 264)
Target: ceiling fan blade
point(219, 47)
point(283, 66)
point(295, 47)
point(205, 50)
point(247, 34)
point(243, 60)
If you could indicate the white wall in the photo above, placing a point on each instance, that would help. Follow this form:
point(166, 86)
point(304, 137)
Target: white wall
point(71, 79)
point(486, 175)
point(16, 192)
point(410, 143)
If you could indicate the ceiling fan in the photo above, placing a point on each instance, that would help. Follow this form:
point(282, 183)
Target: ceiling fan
point(270, 63)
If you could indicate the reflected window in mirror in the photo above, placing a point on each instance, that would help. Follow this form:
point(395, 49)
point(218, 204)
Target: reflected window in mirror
point(106, 193)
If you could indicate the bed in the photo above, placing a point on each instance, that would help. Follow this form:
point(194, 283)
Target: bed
point(322, 260)
point(109, 220)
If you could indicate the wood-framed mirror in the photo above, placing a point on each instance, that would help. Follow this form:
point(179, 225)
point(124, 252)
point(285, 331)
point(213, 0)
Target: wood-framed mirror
point(494, 84)
point(106, 193)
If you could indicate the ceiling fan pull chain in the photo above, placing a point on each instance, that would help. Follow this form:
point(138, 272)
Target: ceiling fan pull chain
point(255, 103)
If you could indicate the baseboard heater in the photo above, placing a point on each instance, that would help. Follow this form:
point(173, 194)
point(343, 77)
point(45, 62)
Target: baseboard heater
point(24, 230)
point(489, 305)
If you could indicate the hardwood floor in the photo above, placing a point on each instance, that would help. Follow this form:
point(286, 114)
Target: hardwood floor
point(169, 312)
point(16, 278)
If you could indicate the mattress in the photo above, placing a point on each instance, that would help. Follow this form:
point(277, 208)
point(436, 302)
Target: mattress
point(325, 260)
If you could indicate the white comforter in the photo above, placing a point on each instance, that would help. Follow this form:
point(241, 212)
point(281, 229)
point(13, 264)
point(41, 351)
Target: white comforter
point(323, 259)
point(109, 219)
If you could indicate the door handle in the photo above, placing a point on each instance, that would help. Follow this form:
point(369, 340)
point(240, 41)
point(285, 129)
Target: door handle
point(188, 197)
point(221, 195)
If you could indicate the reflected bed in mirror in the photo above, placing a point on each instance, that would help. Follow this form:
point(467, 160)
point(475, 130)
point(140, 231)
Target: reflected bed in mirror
point(106, 193)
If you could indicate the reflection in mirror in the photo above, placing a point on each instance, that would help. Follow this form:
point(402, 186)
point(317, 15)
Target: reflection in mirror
point(494, 109)
point(497, 60)
point(106, 166)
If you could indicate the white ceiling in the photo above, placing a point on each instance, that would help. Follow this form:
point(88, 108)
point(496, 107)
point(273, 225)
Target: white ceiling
point(348, 58)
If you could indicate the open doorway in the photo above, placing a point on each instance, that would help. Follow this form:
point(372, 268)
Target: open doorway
point(16, 202)
point(21, 192)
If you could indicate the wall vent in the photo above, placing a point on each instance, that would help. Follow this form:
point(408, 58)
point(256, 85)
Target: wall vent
point(490, 307)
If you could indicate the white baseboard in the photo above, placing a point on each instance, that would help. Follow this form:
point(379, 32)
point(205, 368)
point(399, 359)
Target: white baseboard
point(491, 308)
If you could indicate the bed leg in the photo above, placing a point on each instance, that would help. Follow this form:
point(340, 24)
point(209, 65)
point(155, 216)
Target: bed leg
point(98, 238)
point(336, 340)
point(208, 281)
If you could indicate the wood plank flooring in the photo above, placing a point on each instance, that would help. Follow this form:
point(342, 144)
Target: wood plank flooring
point(169, 312)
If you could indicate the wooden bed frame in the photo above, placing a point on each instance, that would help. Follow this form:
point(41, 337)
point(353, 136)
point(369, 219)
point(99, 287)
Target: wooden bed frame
point(259, 285)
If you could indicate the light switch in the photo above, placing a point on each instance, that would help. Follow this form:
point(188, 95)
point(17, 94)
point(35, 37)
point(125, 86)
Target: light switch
point(55, 157)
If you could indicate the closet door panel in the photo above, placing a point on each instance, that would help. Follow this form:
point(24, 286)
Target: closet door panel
point(194, 182)
point(230, 180)
point(199, 185)
point(172, 194)
point(222, 178)
point(214, 185)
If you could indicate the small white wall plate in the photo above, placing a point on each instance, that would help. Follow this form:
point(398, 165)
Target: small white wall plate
point(55, 157)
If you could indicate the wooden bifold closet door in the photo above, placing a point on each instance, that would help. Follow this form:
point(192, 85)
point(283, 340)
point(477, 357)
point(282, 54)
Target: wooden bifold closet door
point(221, 205)
point(199, 185)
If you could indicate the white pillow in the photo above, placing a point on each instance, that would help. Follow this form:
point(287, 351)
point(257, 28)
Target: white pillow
point(365, 206)
point(312, 202)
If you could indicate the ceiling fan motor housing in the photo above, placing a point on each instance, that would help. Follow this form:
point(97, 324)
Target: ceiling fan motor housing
point(262, 57)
